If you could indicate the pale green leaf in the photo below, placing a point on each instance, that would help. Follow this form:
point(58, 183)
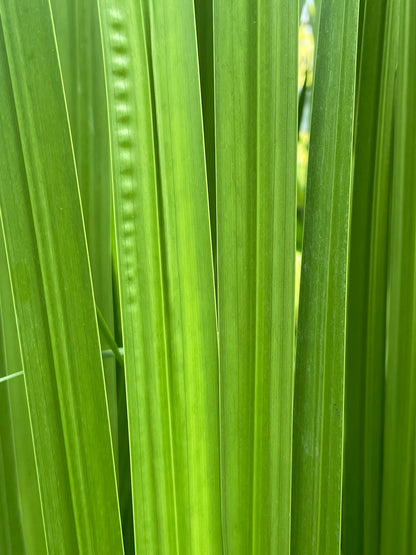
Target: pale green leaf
point(139, 272)
point(187, 268)
point(165, 272)
point(256, 128)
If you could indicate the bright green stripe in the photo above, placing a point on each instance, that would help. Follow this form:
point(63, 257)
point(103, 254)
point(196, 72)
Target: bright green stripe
point(188, 274)
point(319, 385)
point(53, 296)
point(139, 272)
point(235, 63)
point(275, 277)
point(400, 396)
point(10, 376)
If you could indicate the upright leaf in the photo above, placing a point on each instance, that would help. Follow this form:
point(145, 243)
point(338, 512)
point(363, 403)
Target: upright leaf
point(11, 529)
point(255, 58)
point(398, 505)
point(367, 285)
point(205, 36)
point(188, 274)
point(166, 288)
point(30, 512)
point(319, 381)
point(139, 271)
point(79, 42)
point(275, 275)
point(53, 297)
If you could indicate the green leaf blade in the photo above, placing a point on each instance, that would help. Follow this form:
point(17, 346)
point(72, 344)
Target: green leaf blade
point(256, 111)
point(61, 355)
point(79, 43)
point(189, 293)
point(275, 279)
point(397, 510)
point(11, 529)
point(235, 142)
point(139, 270)
point(166, 289)
point(319, 382)
point(367, 286)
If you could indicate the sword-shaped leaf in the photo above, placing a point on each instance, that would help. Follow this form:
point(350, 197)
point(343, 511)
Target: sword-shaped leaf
point(51, 281)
